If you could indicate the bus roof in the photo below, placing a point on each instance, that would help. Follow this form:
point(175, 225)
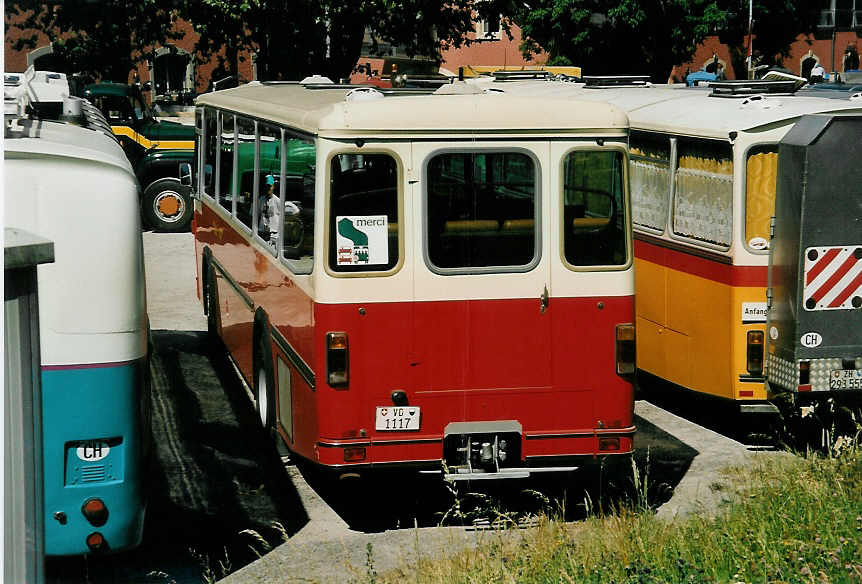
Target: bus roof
point(327, 111)
point(57, 139)
point(690, 111)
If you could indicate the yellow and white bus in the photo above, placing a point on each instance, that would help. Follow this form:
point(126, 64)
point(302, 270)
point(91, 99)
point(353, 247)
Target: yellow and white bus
point(703, 178)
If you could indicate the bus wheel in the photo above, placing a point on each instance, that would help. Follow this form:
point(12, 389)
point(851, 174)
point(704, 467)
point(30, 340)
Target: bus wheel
point(167, 205)
point(264, 382)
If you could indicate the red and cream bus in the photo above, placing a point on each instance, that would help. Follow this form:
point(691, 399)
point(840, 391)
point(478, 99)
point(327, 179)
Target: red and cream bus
point(441, 282)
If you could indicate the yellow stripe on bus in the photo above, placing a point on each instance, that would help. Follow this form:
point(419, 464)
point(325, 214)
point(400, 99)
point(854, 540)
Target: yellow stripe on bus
point(146, 143)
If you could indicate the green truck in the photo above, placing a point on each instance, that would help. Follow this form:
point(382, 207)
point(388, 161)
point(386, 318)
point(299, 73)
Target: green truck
point(156, 148)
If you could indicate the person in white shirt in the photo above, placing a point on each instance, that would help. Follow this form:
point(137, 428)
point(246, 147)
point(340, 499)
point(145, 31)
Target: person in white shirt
point(818, 73)
point(270, 211)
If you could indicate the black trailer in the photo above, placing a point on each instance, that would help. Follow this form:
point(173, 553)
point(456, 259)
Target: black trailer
point(814, 324)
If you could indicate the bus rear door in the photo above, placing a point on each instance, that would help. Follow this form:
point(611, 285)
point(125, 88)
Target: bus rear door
point(482, 321)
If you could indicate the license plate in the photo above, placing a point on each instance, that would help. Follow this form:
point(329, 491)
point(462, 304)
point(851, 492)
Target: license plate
point(846, 379)
point(400, 418)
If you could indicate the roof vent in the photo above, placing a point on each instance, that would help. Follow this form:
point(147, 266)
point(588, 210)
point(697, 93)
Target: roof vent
point(603, 81)
point(749, 87)
point(459, 88)
point(363, 94)
point(521, 74)
point(316, 80)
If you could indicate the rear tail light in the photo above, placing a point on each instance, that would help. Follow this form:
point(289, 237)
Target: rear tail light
point(337, 359)
point(754, 353)
point(609, 443)
point(354, 454)
point(625, 349)
point(96, 542)
point(804, 375)
point(95, 511)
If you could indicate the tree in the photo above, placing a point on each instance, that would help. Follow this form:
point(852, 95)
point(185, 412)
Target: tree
point(652, 36)
point(776, 26)
point(295, 38)
point(97, 39)
point(611, 37)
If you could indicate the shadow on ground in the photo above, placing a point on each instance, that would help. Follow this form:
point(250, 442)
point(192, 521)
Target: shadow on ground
point(394, 500)
point(219, 493)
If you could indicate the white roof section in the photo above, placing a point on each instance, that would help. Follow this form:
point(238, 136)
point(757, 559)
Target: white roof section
point(324, 111)
point(29, 137)
point(689, 111)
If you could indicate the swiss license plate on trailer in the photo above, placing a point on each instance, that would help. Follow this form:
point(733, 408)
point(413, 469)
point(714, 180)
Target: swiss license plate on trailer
point(400, 418)
point(846, 379)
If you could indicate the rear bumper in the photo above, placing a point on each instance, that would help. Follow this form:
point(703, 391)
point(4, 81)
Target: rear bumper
point(542, 451)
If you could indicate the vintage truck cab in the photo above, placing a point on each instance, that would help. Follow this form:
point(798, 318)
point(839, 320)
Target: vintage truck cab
point(155, 147)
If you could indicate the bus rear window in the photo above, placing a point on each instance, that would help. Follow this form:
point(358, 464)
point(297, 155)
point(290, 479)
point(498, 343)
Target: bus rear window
point(594, 232)
point(482, 210)
point(363, 213)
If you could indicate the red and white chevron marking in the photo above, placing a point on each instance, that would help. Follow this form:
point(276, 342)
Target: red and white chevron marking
point(833, 278)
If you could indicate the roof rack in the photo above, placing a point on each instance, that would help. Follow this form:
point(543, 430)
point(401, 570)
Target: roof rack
point(424, 81)
point(746, 87)
point(600, 81)
point(522, 74)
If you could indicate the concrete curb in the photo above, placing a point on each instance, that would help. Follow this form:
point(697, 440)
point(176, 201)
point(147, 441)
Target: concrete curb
point(704, 488)
point(326, 550)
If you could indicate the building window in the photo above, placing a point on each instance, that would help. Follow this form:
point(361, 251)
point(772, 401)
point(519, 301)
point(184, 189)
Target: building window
point(488, 28)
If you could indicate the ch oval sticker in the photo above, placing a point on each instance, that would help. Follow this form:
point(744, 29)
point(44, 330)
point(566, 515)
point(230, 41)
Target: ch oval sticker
point(811, 340)
point(92, 451)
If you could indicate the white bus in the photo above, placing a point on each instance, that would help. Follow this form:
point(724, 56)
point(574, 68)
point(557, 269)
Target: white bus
point(66, 178)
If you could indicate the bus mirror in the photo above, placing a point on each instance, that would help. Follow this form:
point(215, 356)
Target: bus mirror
point(186, 174)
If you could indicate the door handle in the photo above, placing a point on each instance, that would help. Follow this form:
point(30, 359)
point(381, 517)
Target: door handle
point(543, 300)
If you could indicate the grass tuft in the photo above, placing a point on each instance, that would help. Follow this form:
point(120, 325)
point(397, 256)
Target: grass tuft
point(792, 519)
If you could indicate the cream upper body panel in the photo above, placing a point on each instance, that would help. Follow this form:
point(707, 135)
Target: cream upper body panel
point(328, 112)
point(678, 110)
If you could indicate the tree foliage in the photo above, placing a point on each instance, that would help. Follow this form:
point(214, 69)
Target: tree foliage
point(100, 40)
point(776, 25)
point(607, 37)
point(295, 38)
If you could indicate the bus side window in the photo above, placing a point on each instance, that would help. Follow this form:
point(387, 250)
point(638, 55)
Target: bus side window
point(761, 171)
point(481, 210)
point(224, 176)
point(650, 178)
point(210, 151)
point(298, 218)
point(703, 192)
point(594, 231)
point(268, 210)
point(245, 170)
point(363, 214)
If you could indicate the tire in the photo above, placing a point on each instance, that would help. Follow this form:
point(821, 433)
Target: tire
point(264, 380)
point(167, 205)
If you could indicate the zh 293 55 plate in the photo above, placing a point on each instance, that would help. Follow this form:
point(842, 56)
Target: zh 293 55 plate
point(846, 379)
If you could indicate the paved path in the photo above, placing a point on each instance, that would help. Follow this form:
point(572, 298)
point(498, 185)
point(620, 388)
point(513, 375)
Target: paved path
point(172, 300)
